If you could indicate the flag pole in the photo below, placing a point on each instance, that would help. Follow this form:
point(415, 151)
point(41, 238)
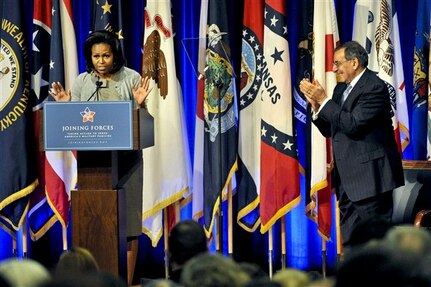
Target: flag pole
point(230, 217)
point(177, 211)
point(165, 237)
point(217, 237)
point(338, 233)
point(24, 238)
point(270, 248)
point(220, 207)
point(64, 232)
point(14, 249)
point(323, 257)
point(283, 243)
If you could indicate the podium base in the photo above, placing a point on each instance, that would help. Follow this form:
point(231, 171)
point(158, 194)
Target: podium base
point(99, 225)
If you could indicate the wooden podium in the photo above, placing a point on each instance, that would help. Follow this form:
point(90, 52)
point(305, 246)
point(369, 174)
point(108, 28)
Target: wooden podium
point(97, 208)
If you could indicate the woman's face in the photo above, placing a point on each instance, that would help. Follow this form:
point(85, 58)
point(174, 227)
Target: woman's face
point(102, 58)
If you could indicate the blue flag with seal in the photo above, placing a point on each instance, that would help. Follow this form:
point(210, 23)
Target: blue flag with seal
point(220, 139)
point(17, 143)
point(420, 81)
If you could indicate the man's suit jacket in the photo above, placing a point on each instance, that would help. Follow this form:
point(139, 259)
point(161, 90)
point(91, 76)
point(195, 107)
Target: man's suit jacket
point(366, 157)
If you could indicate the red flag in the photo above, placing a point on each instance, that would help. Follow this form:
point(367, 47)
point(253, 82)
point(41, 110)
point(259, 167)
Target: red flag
point(279, 165)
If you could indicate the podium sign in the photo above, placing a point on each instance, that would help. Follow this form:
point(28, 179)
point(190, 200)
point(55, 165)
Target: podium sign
point(105, 125)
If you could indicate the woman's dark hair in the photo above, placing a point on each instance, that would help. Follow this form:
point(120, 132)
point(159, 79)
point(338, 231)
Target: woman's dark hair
point(105, 37)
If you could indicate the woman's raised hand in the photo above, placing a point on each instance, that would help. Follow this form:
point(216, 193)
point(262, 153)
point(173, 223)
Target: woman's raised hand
point(141, 90)
point(59, 93)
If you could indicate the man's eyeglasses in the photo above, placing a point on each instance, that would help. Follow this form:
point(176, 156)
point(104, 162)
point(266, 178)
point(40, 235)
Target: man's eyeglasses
point(338, 63)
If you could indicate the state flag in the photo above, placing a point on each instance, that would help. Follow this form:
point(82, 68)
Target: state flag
point(279, 168)
point(167, 163)
point(375, 27)
point(18, 176)
point(52, 23)
point(219, 115)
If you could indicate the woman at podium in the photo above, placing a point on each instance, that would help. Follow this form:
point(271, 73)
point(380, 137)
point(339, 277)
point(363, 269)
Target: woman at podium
point(108, 79)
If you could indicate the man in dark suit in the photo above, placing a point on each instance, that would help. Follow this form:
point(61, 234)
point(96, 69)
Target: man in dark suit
point(367, 163)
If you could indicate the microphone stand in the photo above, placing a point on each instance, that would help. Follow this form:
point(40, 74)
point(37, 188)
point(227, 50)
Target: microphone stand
point(96, 92)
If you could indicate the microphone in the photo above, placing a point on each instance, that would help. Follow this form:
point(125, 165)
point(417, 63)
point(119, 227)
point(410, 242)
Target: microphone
point(96, 92)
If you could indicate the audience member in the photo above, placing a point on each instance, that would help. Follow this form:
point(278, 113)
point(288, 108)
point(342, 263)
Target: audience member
point(186, 240)
point(291, 277)
point(209, 270)
point(77, 261)
point(160, 283)
point(374, 265)
point(369, 229)
point(3, 282)
point(24, 272)
point(262, 282)
point(410, 239)
point(95, 279)
point(253, 270)
point(322, 282)
point(414, 245)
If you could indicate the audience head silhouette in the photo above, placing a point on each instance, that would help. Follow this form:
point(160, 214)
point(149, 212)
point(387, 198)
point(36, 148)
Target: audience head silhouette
point(414, 246)
point(369, 229)
point(95, 279)
point(375, 265)
point(77, 261)
point(408, 238)
point(186, 240)
point(253, 270)
point(160, 283)
point(262, 282)
point(208, 270)
point(24, 273)
point(290, 277)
